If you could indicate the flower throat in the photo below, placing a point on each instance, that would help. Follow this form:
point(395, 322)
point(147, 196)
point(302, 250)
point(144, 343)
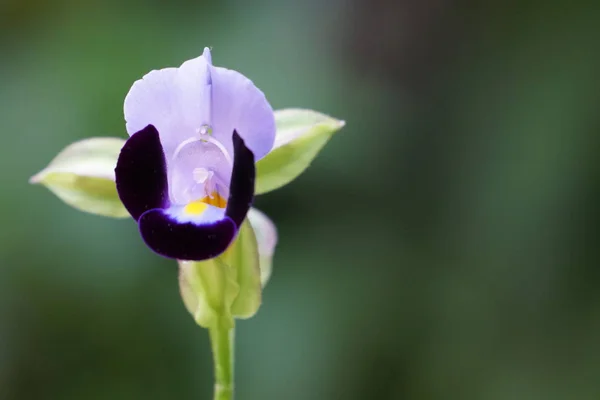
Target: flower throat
point(205, 176)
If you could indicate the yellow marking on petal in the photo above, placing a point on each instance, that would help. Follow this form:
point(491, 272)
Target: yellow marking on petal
point(196, 207)
point(199, 206)
point(216, 200)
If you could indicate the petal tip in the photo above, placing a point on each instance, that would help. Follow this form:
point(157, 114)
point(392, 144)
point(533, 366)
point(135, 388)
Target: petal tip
point(237, 139)
point(206, 54)
point(37, 178)
point(243, 177)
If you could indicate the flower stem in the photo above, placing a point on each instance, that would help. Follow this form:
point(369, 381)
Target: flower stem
point(222, 343)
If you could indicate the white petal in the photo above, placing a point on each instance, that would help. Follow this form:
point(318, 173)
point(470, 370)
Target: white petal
point(210, 215)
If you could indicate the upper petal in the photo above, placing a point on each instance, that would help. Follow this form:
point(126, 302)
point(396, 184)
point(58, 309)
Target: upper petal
point(178, 101)
point(175, 100)
point(239, 105)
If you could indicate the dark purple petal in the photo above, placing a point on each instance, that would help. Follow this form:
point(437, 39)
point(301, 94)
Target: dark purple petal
point(185, 241)
point(141, 173)
point(241, 190)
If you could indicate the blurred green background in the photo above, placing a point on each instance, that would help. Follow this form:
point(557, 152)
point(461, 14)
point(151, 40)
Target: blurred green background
point(444, 245)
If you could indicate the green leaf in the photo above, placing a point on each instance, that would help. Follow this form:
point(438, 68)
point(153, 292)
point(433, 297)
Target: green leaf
point(82, 175)
point(266, 237)
point(301, 134)
point(217, 290)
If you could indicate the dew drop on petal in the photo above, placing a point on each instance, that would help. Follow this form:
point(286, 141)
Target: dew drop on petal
point(205, 130)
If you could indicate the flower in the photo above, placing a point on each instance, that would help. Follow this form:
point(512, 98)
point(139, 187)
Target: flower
point(202, 144)
point(187, 172)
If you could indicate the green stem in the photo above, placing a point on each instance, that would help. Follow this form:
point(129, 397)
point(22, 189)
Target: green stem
point(222, 339)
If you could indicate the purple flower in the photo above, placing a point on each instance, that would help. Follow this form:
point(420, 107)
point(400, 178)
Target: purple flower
point(187, 172)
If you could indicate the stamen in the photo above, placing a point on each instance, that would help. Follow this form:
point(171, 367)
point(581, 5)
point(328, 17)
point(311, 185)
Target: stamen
point(210, 181)
point(204, 176)
point(215, 199)
point(201, 175)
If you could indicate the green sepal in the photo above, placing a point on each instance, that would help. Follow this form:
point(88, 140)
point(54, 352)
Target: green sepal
point(83, 176)
point(266, 237)
point(301, 134)
point(217, 290)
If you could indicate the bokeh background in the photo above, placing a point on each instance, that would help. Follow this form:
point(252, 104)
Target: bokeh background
point(444, 245)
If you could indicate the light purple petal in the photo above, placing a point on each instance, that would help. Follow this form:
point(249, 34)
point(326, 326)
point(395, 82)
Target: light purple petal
point(238, 104)
point(175, 100)
point(196, 108)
